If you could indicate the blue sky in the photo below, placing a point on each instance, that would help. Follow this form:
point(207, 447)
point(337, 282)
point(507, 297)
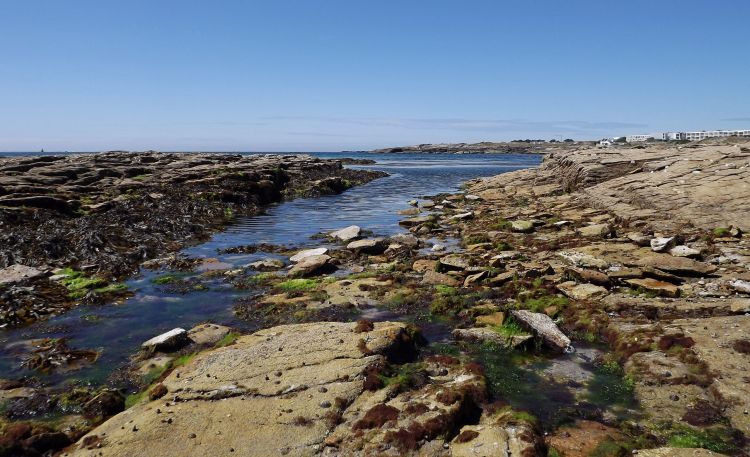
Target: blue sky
point(331, 75)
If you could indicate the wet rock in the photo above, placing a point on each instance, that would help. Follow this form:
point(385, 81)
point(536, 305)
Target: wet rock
point(105, 404)
point(415, 221)
point(44, 442)
point(311, 265)
point(406, 239)
point(168, 341)
point(542, 325)
point(583, 291)
point(308, 253)
point(267, 265)
point(660, 288)
point(522, 226)
point(488, 335)
point(18, 273)
point(372, 246)
point(347, 234)
point(661, 244)
point(435, 278)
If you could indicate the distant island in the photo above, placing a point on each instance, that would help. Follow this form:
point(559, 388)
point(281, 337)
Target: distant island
point(485, 147)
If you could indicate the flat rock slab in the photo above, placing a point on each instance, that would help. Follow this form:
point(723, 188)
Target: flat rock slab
point(208, 334)
point(18, 273)
point(661, 288)
point(268, 394)
point(542, 325)
point(676, 265)
point(583, 291)
point(718, 343)
point(307, 253)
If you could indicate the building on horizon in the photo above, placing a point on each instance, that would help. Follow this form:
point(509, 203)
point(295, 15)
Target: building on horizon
point(703, 134)
point(638, 138)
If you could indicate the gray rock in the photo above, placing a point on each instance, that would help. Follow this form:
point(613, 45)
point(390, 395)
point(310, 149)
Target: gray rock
point(309, 266)
point(168, 341)
point(462, 216)
point(18, 273)
point(368, 246)
point(414, 221)
point(684, 251)
point(740, 286)
point(308, 253)
point(406, 239)
point(268, 264)
point(454, 262)
point(542, 325)
point(347, 234)
point(437, 247)
point(583, 291)
point(661, 244)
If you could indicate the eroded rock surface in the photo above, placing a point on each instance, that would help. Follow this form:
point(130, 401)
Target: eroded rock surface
point(273, 392)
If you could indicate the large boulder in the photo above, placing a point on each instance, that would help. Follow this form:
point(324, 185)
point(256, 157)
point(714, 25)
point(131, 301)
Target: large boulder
point(271, 393)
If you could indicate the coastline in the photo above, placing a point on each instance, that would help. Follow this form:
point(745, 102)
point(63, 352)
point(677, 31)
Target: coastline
point(609, 284)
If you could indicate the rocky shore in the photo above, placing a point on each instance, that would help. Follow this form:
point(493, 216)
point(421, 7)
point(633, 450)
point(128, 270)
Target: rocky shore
point(598, 305)
point(71, 226)
point(485, 147)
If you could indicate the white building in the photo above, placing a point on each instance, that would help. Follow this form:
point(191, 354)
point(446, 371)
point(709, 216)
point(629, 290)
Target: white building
point(702, 135)
point(638, 138)
point(604, 143)
point(670, 136)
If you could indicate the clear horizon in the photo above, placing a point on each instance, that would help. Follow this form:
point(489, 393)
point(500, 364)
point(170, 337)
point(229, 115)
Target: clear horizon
point(298, 76)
